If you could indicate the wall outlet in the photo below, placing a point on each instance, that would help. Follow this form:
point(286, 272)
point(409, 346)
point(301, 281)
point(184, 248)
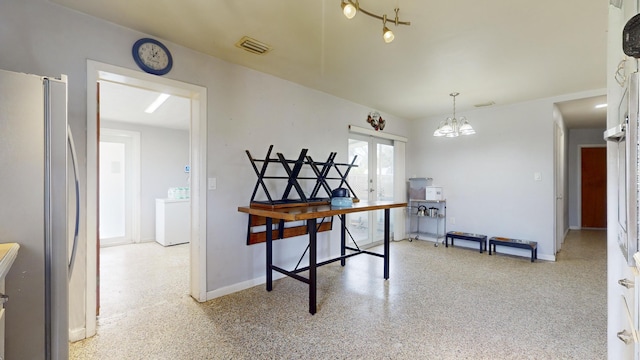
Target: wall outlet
point(452, 220)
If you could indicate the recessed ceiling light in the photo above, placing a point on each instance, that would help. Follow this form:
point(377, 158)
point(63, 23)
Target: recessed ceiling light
point(600, 106)
point(156, 104)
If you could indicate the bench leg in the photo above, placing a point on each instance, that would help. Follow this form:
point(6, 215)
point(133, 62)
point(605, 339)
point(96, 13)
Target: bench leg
point(490, 248)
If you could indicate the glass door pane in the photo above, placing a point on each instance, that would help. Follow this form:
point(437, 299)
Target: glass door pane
point(359, 182)
point(383, 185)
point(376, 155)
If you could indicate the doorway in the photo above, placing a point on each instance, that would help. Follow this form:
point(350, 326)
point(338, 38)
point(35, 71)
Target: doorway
point(593, 187)
point(86, 285)
point(371, 180)
point(559, 185)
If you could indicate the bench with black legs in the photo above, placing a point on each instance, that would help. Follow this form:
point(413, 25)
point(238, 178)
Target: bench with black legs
point(516, 243)
point(482, 239)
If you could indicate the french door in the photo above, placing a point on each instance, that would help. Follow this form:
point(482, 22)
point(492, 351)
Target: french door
point(372, 180)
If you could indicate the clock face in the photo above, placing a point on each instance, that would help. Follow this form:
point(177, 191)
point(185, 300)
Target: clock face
point(152, 56)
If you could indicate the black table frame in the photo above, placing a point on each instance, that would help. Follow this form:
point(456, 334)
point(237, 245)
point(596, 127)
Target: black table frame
point(311, 214)
point(482, 239)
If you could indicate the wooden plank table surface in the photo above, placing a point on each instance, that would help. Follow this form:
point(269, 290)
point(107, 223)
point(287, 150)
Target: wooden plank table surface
point(317, 211)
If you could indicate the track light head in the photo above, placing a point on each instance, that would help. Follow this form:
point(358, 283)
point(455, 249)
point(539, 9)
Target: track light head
point(349, 9)
point(387, 34)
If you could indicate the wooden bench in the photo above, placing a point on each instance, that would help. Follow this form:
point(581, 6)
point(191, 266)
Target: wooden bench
point(516, 243)
point(482, 239)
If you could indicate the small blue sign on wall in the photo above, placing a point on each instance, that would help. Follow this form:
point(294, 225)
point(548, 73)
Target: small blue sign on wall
point(187, 169)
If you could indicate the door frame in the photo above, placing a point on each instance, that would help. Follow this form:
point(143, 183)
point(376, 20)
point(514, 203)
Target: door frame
point(579, 171)
point(559, 187)
point(372, 182)
point(399, 170)
point(198, 152)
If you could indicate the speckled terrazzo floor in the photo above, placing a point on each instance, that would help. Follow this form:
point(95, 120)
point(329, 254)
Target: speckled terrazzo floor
point(440, 303)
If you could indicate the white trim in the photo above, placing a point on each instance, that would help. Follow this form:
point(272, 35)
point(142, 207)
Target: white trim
point(198, 248)
point(579, 188)
point(198, 137)
point(241, 286)
point(77, 334)
point(378, 134)
point(399, 189)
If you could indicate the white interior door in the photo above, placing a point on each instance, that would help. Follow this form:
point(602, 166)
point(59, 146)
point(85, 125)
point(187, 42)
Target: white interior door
point(119, 187)
point(372, 180)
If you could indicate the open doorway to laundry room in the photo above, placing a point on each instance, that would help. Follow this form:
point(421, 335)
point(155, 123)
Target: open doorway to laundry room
point(144, 197)
point(84, 290)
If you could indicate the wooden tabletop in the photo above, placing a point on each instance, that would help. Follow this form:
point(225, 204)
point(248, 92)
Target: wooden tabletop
point(318, 211)
point(8, 253)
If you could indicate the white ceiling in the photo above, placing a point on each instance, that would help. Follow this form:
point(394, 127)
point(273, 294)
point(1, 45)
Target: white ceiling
point(501, 51)
point(125, 103)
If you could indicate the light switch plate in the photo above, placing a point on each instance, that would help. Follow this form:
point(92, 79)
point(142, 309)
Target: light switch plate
point(212, 183)
point(537, 176)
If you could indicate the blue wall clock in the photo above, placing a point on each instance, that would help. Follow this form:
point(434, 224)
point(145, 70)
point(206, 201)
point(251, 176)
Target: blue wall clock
point(152, 56)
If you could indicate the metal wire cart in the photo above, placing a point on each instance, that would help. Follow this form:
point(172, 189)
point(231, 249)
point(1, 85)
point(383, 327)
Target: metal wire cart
point(426, 211)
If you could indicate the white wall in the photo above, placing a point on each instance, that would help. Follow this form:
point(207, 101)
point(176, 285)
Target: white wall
point(163, 154)
point(578, 137)
point(616, 265)
point(246, 110)
point(488, 178)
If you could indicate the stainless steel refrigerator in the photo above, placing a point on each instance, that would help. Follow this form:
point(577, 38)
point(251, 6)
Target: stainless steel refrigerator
point(34, 211)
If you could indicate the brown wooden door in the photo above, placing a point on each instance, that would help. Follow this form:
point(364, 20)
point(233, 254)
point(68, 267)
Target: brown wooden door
point(594, 187)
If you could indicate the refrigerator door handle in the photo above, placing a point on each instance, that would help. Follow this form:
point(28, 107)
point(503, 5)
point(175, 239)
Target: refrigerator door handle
point(74, 248)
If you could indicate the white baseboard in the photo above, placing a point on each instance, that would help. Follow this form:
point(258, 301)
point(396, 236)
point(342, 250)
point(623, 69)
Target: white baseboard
point(546, 257)
point(241, 286)
point(77, 334)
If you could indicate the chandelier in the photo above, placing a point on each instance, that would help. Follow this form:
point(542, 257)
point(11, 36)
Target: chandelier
point(351, 7)
point(453, 127)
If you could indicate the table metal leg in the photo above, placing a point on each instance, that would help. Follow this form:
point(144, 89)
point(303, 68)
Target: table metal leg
point(343, 243)
point(311, 225)
point(387, 216)
point(269, 238)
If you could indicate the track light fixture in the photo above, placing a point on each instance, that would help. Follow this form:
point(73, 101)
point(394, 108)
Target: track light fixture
point(351, 7)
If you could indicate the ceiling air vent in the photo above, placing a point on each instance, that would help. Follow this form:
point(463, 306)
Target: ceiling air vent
point(488, 103)
point(253, 46)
